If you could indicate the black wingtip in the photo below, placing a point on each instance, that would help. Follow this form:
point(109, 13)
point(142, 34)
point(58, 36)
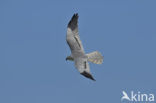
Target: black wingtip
point(73, 22)
point(88, 75)
point(75, 15)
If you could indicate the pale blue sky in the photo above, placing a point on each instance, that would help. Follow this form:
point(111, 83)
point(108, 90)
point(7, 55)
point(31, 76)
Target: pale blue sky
point(33, 50)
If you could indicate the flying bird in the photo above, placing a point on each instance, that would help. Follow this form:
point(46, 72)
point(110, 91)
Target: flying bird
point(77, 51)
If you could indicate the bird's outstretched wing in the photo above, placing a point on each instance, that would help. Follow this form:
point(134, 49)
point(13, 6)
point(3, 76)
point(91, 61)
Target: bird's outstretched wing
point(83, 67)
point(72, 36)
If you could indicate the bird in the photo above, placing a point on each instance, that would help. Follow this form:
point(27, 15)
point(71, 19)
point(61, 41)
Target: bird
point(125, 96)
point(78, 54)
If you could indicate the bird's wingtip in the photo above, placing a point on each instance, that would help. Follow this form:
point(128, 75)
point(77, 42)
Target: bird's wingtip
point(76, 14)
point(73, 22)
point(88, 75)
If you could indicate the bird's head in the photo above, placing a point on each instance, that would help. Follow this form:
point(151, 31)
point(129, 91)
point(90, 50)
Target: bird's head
point(69, 58)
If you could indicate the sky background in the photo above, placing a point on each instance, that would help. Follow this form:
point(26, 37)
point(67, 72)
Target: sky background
point(33, 50)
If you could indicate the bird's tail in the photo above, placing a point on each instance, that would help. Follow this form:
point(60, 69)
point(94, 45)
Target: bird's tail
point(95, 57)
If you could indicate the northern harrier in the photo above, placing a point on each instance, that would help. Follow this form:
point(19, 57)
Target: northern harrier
point(77, 52)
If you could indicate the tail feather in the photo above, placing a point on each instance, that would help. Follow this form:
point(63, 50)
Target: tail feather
point(95, 57)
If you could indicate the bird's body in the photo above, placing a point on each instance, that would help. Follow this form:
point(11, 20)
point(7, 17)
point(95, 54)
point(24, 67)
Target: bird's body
point(77, 51)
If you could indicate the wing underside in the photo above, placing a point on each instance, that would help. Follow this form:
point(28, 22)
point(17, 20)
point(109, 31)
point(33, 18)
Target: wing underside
point(72, 37)
point(83, 67)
